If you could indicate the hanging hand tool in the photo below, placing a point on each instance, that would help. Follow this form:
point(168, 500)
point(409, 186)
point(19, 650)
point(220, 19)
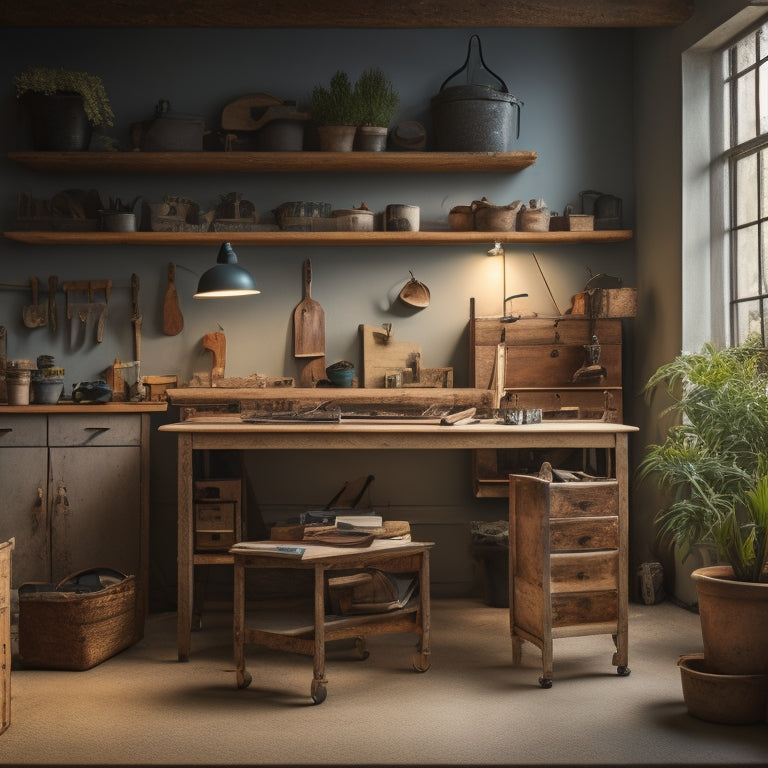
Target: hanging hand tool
point(173, 321)
point(103, 313)
point(136, 318)
point(53, 286)
point(34, 314)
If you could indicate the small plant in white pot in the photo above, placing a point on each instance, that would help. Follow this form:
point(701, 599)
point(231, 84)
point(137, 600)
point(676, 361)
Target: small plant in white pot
point(337, 112)
point(378, 102)
point(713, 466)
point(64, 106)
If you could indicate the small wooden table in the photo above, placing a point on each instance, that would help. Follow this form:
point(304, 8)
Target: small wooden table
point(392, 555)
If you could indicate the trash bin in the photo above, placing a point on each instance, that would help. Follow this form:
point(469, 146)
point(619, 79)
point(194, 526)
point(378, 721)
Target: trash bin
point(490, 549)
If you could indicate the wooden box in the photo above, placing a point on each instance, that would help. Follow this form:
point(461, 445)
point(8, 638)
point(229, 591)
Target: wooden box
point(156, 386)
point(574, 222)
point(567, 544)
point(228, 489)
point(5, 633)
point(214, 541)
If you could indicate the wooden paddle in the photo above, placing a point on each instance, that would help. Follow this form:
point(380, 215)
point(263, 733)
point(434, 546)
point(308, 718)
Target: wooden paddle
point(308, 322)
point(173, 321)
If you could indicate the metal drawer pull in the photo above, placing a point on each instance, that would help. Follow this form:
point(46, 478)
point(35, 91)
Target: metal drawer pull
point(97, 429)
point(6, 429)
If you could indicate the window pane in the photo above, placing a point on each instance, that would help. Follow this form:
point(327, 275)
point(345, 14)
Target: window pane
point(744, 53)
point(763, 98)
point(745, 97)
point(747, 320)
point(746, 190)
point(745, 263)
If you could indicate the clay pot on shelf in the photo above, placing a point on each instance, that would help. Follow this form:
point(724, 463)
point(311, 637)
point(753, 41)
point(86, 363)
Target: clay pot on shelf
point(337, 138)
point(371, 138)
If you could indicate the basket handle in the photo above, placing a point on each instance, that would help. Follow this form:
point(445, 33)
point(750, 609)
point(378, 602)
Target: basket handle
point(88, 571)
point(479, 56)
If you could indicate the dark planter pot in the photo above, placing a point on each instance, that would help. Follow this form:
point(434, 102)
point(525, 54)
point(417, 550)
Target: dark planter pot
point(58, 122)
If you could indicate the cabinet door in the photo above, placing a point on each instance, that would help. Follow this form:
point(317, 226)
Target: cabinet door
point(24, 511)
point(95, 508)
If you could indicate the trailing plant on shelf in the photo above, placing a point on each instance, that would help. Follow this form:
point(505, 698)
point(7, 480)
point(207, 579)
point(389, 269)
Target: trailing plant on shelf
point(377, 98)
point(714, 460)
point(336, 105)
point(49, 81)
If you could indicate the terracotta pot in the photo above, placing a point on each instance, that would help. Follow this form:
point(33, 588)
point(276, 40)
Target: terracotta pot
point(337, 138)
point(732, 699)
point(734, 622)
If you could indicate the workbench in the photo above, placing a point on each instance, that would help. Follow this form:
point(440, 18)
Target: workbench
point(309, 638)
point(224, 432)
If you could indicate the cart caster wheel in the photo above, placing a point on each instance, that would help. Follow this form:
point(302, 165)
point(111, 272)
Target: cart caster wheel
point(244, 680)
point(623, 671)
point(545, 682)
point(319, 692)
point(420, 662)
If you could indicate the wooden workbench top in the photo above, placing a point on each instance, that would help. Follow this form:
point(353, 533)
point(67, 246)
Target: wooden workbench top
point(68, 406)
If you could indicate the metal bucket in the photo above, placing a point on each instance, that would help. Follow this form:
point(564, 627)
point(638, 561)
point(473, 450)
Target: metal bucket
point(475, 117)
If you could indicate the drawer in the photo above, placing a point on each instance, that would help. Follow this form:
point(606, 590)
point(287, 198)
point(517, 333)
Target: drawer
point(215, 517)
point(94, 429)
point(590, 499)
point(218, 490)
point(585, 608)
point(214, 541)
point(583, 533)
point(19, 430)
point(584, 571)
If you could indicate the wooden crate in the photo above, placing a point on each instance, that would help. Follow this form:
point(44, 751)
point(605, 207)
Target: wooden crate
point(567, 542)
point(5, 633)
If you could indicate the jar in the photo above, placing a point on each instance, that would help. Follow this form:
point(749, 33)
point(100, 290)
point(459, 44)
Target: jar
point(17, 385)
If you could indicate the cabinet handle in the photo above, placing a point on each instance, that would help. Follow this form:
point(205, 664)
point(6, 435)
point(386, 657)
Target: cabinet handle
point(97, 429)
point(6, 429)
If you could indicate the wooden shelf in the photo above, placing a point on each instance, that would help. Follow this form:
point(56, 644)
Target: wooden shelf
point(274, 162)
point(282, 238)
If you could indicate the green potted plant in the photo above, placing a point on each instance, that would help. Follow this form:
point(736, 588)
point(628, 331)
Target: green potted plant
point(336, 110)
point(713, 467)
point(64, 106)
point(378, 102)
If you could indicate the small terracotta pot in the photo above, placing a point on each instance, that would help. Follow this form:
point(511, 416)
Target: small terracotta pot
point(337, 138)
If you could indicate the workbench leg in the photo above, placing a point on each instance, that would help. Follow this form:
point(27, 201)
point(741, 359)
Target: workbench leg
point(185, 552)
point(621, 657)
point(238, 627)
point(517, 650)
point(319, 691)
point(545, 681)
point(422, 660)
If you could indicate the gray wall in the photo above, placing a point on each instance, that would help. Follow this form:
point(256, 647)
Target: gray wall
point(579, 116)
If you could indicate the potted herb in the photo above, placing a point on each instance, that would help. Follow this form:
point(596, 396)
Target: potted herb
point(336, 110)
point(713, 464)
point(63, 106)
point(378, 102)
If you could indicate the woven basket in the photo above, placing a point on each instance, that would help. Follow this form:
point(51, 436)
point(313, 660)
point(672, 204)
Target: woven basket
point(68, 630)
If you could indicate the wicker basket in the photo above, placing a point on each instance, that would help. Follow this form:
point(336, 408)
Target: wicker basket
point(70, 630)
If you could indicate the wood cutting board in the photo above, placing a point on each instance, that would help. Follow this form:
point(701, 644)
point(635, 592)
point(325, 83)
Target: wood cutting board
point(173, 321)
point(308, 322)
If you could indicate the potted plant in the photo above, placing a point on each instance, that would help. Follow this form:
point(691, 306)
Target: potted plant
point(337, 112)
point(713, 464)
point(378, 102)
point(63, 106)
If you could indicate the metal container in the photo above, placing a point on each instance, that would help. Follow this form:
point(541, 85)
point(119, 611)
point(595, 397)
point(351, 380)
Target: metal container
point(475, 117)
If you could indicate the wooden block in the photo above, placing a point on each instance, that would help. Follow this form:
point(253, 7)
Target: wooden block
point(574, 222)
point(381, 352)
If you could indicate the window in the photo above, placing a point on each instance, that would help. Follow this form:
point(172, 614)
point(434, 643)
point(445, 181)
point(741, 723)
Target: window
point(745, 110)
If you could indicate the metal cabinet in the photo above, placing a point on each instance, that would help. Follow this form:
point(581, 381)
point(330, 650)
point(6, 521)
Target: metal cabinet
point(75, 489)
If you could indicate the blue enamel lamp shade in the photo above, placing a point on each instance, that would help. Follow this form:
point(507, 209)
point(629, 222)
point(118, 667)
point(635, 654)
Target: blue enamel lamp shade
point(226, 278)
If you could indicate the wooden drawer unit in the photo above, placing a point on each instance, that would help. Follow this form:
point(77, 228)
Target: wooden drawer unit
point(218, 514)
point(568, 554)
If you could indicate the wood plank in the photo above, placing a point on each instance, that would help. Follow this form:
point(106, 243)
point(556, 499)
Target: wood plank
point(340, 13)
point(580, 533)
point(275, 162)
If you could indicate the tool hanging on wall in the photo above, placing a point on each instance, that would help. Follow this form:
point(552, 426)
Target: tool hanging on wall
point(53, 287)
point(136, 322)
point(75, 292)
point(35, 315)
point(173, 322)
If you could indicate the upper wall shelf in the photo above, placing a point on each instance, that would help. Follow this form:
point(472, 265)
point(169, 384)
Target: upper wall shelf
point(275, 162)
point(314, 238)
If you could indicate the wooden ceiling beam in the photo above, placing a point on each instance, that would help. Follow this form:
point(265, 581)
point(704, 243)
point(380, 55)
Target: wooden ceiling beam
point(395, 14)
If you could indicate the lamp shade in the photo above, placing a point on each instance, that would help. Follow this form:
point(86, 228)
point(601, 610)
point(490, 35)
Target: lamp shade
point(226, 278)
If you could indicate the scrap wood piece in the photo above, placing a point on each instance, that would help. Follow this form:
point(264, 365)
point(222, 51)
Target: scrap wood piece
point(217, 343)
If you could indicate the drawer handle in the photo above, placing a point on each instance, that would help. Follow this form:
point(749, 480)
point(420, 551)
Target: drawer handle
point(554, 353)
point(6, 429)
point(97, 429)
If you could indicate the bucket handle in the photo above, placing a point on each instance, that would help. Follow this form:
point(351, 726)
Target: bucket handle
point(465, 66)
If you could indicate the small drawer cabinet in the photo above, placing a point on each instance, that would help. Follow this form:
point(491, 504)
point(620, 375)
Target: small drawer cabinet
point(568, 555)
point(218, 514)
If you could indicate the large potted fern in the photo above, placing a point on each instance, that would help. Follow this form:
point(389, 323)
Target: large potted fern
point(713, 466)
